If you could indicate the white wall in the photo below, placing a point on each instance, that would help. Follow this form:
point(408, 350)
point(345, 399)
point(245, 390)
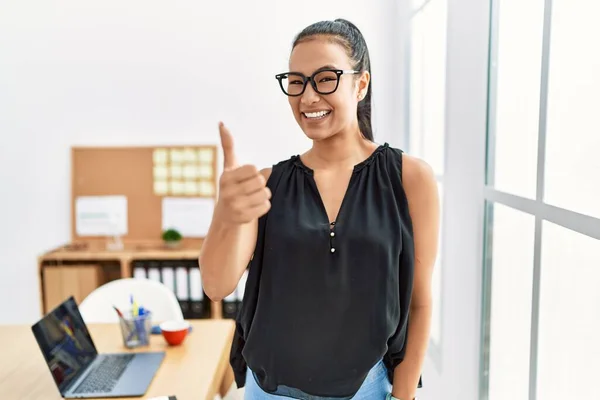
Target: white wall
point(145, 72)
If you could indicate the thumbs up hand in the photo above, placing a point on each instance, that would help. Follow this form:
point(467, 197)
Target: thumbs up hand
point(243, 192)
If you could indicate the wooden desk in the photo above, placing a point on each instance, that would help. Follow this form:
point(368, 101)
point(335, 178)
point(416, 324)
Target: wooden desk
point(196, 370)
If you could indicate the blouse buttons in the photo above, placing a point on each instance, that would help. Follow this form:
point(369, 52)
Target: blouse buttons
point(332, 235)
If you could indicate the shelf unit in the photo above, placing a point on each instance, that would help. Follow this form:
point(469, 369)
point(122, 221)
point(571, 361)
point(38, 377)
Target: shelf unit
point(78, 268)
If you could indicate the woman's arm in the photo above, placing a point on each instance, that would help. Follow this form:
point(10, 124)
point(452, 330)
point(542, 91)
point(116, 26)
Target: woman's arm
point(231, 238)
point(423, 201)
point(226, 252)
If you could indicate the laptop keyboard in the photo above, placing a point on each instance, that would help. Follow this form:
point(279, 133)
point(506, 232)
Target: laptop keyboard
point(105, 375)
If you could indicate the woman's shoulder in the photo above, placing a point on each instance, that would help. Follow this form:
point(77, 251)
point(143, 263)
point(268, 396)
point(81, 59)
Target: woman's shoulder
point(415, 169)
point(418, 179)
point(278, 166)
point(266, 172)
point(412, 169)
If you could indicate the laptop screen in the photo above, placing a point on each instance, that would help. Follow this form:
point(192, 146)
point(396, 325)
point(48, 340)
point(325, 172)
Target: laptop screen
point(65, 342)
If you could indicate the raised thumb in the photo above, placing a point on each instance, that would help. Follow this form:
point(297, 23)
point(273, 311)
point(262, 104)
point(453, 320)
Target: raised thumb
point(229, 160)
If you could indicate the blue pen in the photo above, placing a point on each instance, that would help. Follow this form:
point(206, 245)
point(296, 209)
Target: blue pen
point(137, 323)
point(142, 324)
point(132, 332)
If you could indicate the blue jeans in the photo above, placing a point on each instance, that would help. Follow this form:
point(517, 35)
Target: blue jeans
point(375, 387)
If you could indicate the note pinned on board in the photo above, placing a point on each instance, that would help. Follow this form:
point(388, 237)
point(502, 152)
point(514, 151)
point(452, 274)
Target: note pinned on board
point(189, 172)
point(176, 171)
point(189, 155)
point(190, 216)
point(161, 172)
point(205, 156)
point(177, 156)
point(206, 189)
point(191, 188)
point(160, 156)
point(101, 215)
point(177, 188)
point(161, 188)
point(205, 171)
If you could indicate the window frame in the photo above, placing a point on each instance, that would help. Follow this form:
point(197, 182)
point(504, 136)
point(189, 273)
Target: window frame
point(579, 223)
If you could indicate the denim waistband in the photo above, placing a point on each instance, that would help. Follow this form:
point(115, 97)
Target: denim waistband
point(377, 373)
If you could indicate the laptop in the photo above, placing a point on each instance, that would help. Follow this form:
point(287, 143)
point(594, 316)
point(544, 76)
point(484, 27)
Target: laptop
point(77, 368)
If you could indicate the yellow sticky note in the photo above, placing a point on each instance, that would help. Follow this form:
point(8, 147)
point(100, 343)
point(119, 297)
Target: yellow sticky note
point(189, 172)
point(205, 171)
point(206, 156)
point(161, 172)
point(161, 188)
point(176, 171)
point(191, 188)
point(190, 156)
point(160, 156)
point(206, 189)
point(177, 156)
point(177, 188)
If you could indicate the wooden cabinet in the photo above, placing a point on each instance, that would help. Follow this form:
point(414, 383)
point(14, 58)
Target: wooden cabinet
point(60, 282)
point(77, 269)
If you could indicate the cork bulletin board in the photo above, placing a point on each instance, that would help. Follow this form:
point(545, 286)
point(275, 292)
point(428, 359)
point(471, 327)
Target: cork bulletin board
point(144, 176)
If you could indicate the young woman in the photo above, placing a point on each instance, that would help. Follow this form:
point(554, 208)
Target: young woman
point(340, 242)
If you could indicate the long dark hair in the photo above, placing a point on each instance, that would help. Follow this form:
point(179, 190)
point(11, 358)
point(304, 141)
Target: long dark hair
point(349, 36)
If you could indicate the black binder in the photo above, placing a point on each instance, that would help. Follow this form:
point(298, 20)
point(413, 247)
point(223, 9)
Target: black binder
point(200, 305)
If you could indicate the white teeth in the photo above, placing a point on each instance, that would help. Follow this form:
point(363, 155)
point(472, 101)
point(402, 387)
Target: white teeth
point(318, 114)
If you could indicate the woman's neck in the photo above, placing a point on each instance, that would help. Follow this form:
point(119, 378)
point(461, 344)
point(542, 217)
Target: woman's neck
point(341, 151)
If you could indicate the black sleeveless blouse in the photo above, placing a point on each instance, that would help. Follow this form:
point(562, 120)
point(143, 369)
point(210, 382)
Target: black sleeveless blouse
point(326, 300)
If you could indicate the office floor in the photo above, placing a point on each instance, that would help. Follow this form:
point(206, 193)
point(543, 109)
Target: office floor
point(233, 394)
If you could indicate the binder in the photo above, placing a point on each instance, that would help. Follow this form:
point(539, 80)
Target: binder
point(139, 270)
point(182, 289)
point(230, 305)
point(198, 303)
point(183, 278)
point(233, 302)
point(168, 276)
point(154, 273)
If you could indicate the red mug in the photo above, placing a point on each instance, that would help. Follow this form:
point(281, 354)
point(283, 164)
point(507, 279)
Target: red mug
point(174, 331)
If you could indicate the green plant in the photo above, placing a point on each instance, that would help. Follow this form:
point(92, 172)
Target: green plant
point(171, 235)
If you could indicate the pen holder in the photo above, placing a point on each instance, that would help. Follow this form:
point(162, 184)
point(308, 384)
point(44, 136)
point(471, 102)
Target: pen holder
point(136, 330)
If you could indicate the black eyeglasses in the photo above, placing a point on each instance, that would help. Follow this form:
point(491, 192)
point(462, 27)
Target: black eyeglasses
point(325, 81)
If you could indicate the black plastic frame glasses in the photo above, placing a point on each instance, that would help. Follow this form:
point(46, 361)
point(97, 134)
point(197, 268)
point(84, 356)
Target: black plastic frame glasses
point(311, 79)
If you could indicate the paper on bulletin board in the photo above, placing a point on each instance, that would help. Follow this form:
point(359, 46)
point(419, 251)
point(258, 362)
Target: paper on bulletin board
point(101, 215)
point(190, 216)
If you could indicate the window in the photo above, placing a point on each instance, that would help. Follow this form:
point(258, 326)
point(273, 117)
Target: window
point(573, 127)
point(426, 116)
point(510, 239)
point(569, 316)
point(542, 236)
point(517, 101)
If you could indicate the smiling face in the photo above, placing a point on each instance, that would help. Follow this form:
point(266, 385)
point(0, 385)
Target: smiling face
point(323, 115)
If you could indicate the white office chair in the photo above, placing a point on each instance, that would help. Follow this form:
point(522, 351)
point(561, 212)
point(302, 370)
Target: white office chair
point(97, 307)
